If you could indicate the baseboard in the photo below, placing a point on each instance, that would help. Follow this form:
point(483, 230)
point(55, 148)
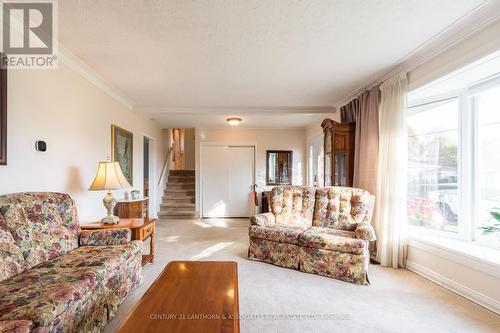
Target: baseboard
point(474, 296)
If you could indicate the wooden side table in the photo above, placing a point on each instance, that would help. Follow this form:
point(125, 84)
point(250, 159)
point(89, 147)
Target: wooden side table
point(141, 228)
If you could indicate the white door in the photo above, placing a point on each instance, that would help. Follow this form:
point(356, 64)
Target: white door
point(227, 176)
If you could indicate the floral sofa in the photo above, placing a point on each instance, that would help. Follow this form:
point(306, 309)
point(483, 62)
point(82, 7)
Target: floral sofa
point(323, 231)
point(55, 277)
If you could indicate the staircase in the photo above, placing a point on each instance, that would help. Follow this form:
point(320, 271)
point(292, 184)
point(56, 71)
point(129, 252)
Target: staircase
point(179, 196)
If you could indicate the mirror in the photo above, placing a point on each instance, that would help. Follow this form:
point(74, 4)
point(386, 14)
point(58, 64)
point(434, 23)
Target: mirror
point(279, 167)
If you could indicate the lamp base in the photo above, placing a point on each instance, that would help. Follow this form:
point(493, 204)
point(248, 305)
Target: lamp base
point(110, 202)
point(110, 219)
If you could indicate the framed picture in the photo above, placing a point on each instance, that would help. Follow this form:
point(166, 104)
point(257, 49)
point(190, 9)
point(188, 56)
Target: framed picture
point(3, 112)
point(122, 143)
point(279, 167)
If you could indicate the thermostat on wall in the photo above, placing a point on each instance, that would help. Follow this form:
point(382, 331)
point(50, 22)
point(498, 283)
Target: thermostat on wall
point(40, 146)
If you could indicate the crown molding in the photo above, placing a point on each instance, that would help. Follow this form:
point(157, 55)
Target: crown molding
point(78, 66)
point(224, 110)
point(258, 128)
point(479, 18)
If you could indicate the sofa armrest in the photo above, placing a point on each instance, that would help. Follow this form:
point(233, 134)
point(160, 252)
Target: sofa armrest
point(18, 326)
point(104, 237)
point(365, 231)
point(263, 219)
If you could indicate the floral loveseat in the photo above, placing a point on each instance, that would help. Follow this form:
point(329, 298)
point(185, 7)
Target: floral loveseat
point(55, 277)
point(324, 231)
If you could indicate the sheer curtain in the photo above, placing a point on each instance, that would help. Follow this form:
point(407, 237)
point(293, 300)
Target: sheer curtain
point(391, 173)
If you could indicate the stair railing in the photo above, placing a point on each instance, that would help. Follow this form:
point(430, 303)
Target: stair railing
point(166, 166)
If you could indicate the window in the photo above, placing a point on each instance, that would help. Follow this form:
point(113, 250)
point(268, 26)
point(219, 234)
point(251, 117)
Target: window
point(487, 104)
point(433, 191)
point(315, 166)
point(454, 155)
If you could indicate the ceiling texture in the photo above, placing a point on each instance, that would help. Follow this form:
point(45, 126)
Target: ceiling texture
point(275, 63)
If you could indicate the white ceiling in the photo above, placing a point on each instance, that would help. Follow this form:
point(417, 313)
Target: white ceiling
point(202, 56)
point(257, 120)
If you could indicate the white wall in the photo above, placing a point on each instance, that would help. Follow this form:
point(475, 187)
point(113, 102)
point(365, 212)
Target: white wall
point(465, 275)
point(264, 139)
point(314, 129)
point(74, 117)
point(450, 269)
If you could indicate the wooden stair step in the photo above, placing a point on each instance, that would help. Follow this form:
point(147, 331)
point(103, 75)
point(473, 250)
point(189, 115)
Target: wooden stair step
point(180, 186)
point(184, 194)
point(181, 173)
point(181, 181)
point(178, 204)
point(184, 199)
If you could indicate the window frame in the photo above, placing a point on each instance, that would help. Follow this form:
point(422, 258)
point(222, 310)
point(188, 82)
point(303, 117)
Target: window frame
point(467, 168)
point(472, 93)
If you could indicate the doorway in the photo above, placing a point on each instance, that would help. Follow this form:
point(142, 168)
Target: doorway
point(145, 169)
point(227, 179)
point(149, 174)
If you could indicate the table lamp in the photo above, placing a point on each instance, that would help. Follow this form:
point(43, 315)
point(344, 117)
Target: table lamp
point(109, 177)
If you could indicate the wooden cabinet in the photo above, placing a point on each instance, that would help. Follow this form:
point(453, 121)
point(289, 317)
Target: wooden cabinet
point(132, 208)
point(339, 152)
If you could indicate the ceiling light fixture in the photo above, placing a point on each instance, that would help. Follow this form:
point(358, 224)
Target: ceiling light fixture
point(234, 121)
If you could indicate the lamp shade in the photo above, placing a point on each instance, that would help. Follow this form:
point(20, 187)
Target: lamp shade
point(109, 177)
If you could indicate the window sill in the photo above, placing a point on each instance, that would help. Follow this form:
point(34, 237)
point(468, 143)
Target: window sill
point(474, 255)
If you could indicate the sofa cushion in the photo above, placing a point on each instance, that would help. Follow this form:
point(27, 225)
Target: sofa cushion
point(15, 326)
point(105, 237)
point(332, 239)
point(11, 257)
point(341, 207)
point(114, 259)
point(43, 225)
point(293, 205)
point(42, 294)
point(277, 233)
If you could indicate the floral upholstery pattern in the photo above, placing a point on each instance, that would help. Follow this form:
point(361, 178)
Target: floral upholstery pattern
point(113, 259)
point(104, 237)
point(17, 326)
point(48, 283)
point(276, 253)
point(341, 207)
point(323, 231)
point(293, 205)
point(277, 233)
point(342, 266)
point(332, 239)
point(89, 256)
point(42, 294)
point(365, 231)
point(12, 258)
point(263, 219)
point(43, 225)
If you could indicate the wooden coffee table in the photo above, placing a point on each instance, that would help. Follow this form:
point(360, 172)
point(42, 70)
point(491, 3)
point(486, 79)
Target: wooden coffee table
point(141, 228)
point(189, 296)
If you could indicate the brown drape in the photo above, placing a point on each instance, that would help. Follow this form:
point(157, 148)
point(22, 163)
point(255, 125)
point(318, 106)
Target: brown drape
point(364, 111)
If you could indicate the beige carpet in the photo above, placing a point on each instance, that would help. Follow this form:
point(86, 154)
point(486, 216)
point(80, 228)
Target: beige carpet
point(396, 301)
